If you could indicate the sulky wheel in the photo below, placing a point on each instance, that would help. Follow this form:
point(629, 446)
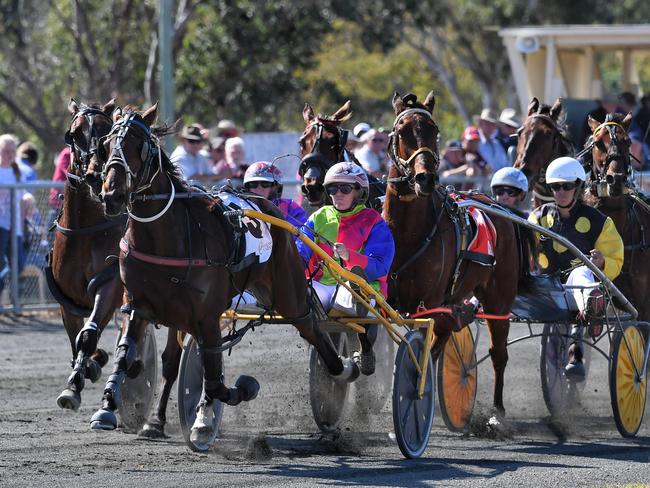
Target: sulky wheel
point(140, 382)
point(627, 380)
point(412, 416)
point(554, 356)
point(326, 394)
point(190, 392)
point(457, 380)
point(372, 392)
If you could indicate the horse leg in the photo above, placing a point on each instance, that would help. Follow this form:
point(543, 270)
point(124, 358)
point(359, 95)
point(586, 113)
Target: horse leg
point(366, 357)
point(246, 387)
point(171, 358)
point(499, 330)
point(70, 398)
point(125, 353)
point(442, 328)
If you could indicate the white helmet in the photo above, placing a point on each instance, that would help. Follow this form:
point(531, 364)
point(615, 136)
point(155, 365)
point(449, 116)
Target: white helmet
point(349, 173)
point(565, 170)
point(510, 176)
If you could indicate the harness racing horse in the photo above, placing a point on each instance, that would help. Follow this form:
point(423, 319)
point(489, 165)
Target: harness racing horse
point(322, 144)
point(176, 262)
point(540, 140)
point(81, 274)
point(427, 271)
point(608, 190)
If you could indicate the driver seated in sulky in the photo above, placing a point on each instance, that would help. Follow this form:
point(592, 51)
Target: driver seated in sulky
point(356, 236)
point(590, 231)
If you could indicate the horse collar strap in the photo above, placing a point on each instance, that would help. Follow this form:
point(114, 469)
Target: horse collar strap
point(161, 260)
point(172, 195)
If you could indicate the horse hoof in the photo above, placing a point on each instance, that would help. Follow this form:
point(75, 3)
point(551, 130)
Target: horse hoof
point(248, 386)
point(101, 357)
point(103, 420)
point(200, 438)
point(93, 370)
point(350, 371)
point(69, 399)
point(152, 431)
point(135, 369)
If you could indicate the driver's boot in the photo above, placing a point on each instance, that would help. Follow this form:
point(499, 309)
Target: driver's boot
point(575, 370)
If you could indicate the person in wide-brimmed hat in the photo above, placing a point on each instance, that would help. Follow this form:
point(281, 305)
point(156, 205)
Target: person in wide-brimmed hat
point(187, 155)
point(508, 125)
point(490, 148)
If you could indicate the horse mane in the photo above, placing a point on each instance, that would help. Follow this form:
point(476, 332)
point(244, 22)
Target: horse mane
point(328, 118)
point(411, 101)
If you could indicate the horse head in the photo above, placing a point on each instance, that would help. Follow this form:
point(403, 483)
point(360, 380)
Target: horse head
point(611, 165)
point(414, 144)
point(90, 124)
point(133, 158)
point(540, 140)
point(322, 144)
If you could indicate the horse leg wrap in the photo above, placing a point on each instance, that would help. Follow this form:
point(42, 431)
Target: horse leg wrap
point(124, 356)
point(87, 339)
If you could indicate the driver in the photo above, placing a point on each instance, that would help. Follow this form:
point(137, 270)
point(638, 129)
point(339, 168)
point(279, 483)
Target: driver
point(590, 231)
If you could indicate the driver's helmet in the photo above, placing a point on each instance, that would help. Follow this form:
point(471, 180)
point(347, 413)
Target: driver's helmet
point(510, 176)
point(351, 173)
point(264, 171)
point(565, 170)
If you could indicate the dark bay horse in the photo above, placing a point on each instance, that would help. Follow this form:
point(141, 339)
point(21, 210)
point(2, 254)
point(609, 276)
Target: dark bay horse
point(81, 274)
point(176, 263)
point(608, 190)
point(540, 140)
point(322, 144)
point(422, 218)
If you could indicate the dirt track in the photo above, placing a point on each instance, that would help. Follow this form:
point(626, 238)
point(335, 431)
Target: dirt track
point(273, 440)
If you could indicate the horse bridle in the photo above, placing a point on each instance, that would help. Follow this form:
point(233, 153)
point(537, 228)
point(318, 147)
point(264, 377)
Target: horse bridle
point(143, 178)
point(610, 155)
point(557, 139)
point(94, 139)
point(404, 165)
point(341, 141)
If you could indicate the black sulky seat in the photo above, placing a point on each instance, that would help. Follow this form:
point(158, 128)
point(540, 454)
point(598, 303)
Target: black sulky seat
point(542, 298)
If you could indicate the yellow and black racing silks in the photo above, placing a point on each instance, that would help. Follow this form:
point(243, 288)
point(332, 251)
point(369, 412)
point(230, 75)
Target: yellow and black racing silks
point(587, 228)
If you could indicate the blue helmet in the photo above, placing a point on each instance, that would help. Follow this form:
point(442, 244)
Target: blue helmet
point(510, 176)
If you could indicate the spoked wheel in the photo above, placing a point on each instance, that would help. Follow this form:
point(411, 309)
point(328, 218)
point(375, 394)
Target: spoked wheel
point(412, 416)
point(326, 394)
point(138, 392)
point(627, 380)
point(457, 380)
point(190, 393)
point(559, 391)
point(373, 391)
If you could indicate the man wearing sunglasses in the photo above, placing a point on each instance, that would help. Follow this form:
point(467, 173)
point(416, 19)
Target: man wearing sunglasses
point(509, 186)
point(356, 236)
point(590, 231)
point(265, 179)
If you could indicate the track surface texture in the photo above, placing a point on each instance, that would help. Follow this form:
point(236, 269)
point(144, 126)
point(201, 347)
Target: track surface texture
point(273, 441)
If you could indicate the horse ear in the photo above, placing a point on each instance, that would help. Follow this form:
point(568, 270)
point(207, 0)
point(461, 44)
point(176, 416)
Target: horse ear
point(343, 113)
point(109, 107)
point(398, 103)
point(430, 101)
point(627, 121)
point(593, 123)
point(149, 115)
point(533, 106)
point(307, 113)
point(117, 113)
point(73, 108)
point(556, 109)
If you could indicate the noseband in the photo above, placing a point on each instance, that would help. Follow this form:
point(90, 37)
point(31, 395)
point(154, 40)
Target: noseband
point(404, 165)
point(80, 154)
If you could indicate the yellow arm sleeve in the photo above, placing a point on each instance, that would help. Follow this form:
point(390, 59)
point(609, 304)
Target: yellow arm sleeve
point(610, 244)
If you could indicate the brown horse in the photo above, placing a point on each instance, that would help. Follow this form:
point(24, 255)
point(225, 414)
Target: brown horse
point(322, 144)
point(540, 140)
point(427, 272)
point(608, 190)
point(177, 263)
point(80, 274)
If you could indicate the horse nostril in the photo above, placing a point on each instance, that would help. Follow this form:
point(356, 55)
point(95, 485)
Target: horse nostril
point(610, 179)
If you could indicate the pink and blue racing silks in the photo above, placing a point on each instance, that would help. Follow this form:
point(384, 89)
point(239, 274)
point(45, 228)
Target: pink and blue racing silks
point(293, 213)
point(363, 231)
